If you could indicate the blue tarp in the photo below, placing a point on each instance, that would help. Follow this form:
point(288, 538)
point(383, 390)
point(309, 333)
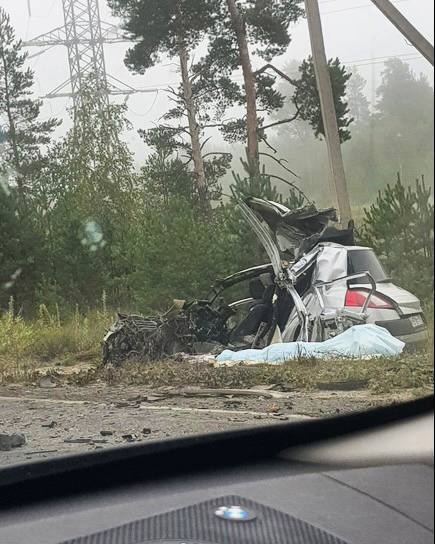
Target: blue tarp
point(361, 341)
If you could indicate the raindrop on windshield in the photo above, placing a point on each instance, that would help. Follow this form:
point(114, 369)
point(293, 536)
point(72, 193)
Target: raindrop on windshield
point(92, 236)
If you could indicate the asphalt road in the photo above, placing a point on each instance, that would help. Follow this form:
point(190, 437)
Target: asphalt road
point(64, 420)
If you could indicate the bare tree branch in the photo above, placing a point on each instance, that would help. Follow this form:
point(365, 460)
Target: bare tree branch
point(280, 161)
point(281, 122)
point(279, 72)
point(295, 187)
point(216, 153)
point(264, 140)
point(205, 142)
point(171, 90)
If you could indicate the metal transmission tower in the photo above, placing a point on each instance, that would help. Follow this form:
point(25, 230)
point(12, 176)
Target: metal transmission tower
point(84, 35)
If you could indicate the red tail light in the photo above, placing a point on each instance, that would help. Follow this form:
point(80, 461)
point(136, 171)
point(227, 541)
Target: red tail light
point(356, 298)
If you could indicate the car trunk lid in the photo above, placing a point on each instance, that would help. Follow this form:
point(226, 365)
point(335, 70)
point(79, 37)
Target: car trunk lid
point(406, 302)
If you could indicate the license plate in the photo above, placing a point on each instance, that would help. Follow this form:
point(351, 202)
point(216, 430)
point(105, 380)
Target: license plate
point(416, 321)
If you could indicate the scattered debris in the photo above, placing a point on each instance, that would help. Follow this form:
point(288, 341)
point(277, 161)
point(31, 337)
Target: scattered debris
point(10, 441)
point(47, 382)
point(84, 441)
point(146, 431)
point(233, 403)
point(123, 404)
point(130, 437)
point(78, 440)
point(199, 392)
point(203, 359)
point(273, 409)
point(50, 425)
point(106, 433)
point(146, 398)
point(154, 398)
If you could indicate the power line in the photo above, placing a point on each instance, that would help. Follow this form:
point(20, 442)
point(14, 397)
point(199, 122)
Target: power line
point(329, 1)
point(416, 57)
point(354, 7)
point(354, 62)
point(383, 58)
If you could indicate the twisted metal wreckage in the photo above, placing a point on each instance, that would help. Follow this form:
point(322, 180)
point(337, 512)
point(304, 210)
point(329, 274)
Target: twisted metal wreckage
point(296, 242)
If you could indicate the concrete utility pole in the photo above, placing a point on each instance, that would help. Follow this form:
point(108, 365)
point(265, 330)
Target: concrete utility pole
point(406, 28)
point(328, 112)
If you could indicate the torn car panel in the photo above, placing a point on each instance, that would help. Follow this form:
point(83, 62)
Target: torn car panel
point(293, 232)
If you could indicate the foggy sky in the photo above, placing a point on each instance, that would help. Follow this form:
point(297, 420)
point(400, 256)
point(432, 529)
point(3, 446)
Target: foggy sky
point(354, 30)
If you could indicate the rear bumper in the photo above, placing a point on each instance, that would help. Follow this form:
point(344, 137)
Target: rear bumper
point(403, 329)
point(415, 341)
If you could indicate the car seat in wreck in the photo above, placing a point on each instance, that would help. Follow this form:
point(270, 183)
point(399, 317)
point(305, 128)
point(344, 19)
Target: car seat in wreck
point(260, 312)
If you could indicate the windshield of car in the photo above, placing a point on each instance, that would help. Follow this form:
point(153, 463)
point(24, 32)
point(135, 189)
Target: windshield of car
point(149, 288)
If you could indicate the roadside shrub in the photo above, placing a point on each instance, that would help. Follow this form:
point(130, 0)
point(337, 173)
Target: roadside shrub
point(76, 334)
point(400, 228)
point(51, 335)
point(16, 336)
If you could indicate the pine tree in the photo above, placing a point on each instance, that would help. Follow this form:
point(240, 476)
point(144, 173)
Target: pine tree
point(243, 30)
point(174, 29)
point(21, 251)
point(307, 101)
point(234, 31)
point(24, 133)
point(358, 103)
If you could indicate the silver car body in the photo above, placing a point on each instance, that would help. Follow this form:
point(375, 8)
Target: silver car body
point(332, 263)
point(321, 311)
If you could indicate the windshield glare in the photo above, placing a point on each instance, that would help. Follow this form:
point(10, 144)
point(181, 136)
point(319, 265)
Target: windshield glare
point(160, 151)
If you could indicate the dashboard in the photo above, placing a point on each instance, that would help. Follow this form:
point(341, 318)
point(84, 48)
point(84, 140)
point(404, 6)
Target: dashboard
point(296, 496)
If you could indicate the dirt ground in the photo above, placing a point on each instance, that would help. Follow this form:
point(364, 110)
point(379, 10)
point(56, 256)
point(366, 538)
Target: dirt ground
point(58, 420)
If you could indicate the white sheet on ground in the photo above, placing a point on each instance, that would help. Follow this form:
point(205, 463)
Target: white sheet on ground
point(362, 341)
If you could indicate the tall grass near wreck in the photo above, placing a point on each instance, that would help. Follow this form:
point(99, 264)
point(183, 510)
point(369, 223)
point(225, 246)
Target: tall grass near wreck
point(52, 334)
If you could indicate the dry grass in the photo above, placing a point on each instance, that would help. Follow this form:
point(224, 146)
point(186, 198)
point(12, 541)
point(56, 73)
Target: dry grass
point(52, 337)
point(410, 371)
point(57, 343)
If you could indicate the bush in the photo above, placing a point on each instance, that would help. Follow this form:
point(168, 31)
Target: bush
point(51, 336)
point(16, 336)
point(400, 228)
point(77, 333)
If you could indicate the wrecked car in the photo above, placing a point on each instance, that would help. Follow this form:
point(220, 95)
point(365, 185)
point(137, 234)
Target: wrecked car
point(316, 285)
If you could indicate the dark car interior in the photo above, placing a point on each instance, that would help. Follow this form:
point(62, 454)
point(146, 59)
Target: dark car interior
point(260, 310)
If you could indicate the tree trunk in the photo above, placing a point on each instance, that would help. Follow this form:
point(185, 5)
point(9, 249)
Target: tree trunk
point(12, 132)
point(250, 89)
point(194, 131)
